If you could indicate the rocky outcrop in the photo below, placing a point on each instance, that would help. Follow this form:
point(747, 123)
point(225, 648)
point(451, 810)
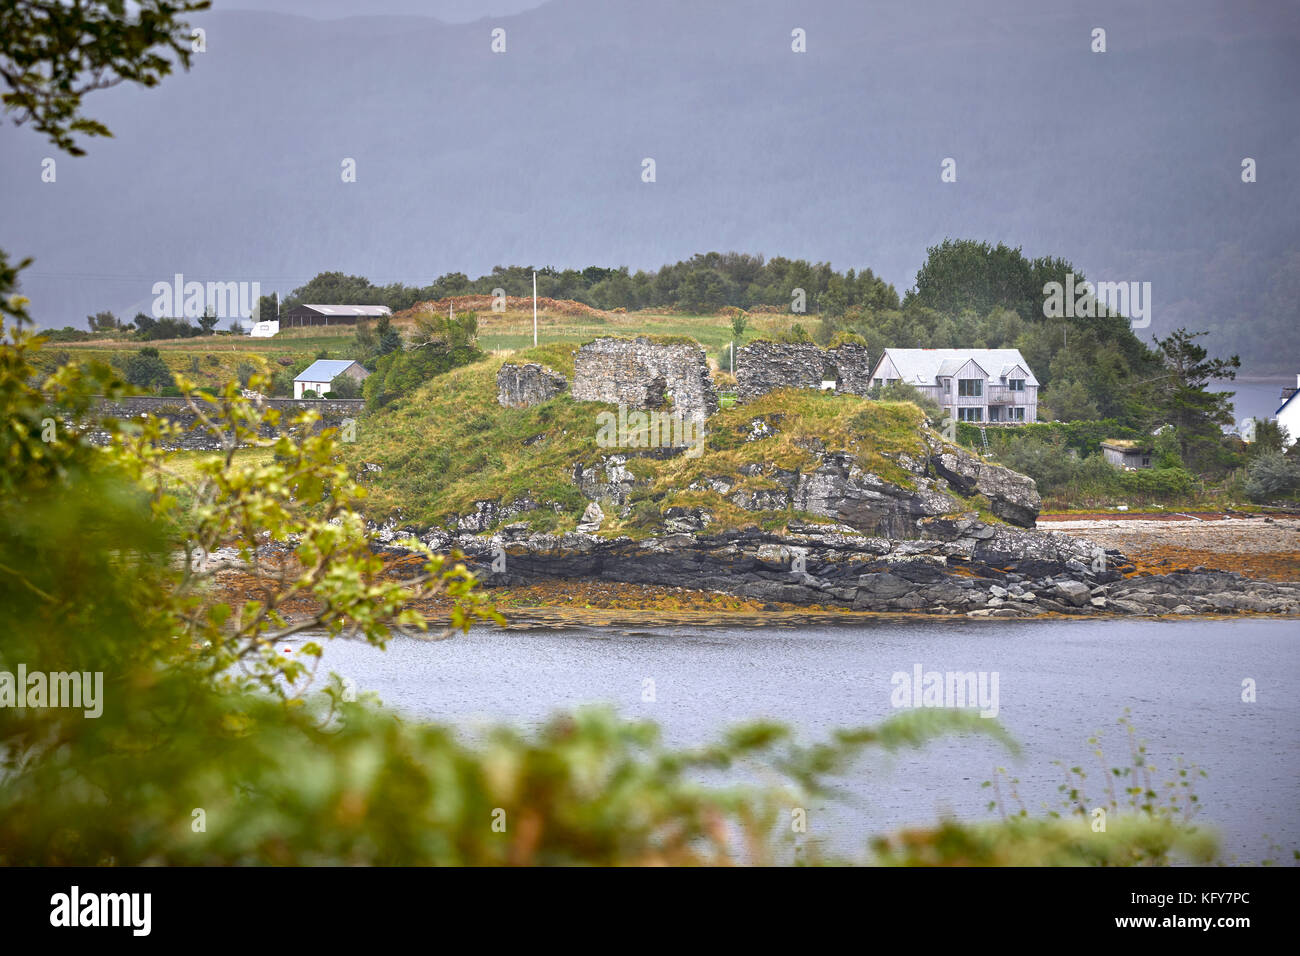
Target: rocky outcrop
point(971, 572)
point(762, 367)
point(522, 386)
point(1014, 497)
point(643, 374)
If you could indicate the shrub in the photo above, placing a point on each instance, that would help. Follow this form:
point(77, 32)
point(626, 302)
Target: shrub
point(345, 386)
point(146, 369)
point(1272, 476)
point(903, 392)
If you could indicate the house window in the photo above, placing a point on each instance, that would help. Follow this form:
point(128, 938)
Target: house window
point(1018, 413)
point(947, 386)
point(1016, 384)
point(876, 382)
point(965, 414)
point(1146, 462)
point(970, 387)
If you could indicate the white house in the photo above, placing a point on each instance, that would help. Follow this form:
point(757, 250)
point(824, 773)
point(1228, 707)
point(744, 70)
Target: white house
point(264, 330)
point(1288, 416)
point(972, 385)
point(319, 376)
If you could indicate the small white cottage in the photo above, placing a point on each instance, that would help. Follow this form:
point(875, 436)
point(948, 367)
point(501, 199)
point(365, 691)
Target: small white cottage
point(319, 376)
point(1288, 416)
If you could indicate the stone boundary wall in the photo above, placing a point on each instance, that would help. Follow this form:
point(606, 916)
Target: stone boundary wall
point(639, 373)
point(174, 409)
point(523, 386)
point(154, 404)
point(762, 367)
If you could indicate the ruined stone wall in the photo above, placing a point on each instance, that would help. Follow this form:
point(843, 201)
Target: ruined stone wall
point(762, 367)
point(523, 386)
point(640, 373)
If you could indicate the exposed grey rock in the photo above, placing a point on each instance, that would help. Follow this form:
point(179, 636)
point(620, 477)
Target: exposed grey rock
point(1072, 591)
point(1014, 497)
point(592, 518)
point(606, 480)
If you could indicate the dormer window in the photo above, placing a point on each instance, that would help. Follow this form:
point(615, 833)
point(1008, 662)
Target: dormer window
point(1016, 384)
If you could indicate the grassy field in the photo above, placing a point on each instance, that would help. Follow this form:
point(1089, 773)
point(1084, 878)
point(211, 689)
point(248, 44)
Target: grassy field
point(214, 359)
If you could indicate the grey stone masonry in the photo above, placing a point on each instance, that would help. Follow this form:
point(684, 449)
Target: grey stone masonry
point(644, 374)
point(762, 367)
point(522, 386)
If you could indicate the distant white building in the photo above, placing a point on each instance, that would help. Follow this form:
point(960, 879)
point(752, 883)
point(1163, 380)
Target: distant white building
point(1288, 416)
point(972, 385)
point(319, 376)
point(264, 330)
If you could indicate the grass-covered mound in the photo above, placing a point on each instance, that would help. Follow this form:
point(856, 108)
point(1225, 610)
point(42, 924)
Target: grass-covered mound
point(450, 444)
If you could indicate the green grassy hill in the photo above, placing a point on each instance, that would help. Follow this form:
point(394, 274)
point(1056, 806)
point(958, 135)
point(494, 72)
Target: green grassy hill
point(450, 444)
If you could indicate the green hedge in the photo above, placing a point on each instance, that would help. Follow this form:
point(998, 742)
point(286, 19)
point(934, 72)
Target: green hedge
point(1085, 437)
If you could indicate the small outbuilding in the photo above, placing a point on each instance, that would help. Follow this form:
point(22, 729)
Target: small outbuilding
point(1126, 453)
point(316, 314)
point(319, 376)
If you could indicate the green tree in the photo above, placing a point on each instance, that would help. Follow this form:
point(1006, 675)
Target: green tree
point(103, 322)
point(739, 324)
point(208, 320)
point(1180, 396)
point(146, 369)
point(389, 339)
point(53, 53)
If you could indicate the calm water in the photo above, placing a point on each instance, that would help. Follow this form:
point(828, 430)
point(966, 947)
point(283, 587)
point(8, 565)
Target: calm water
point(1253, 399)
point(1058, 683)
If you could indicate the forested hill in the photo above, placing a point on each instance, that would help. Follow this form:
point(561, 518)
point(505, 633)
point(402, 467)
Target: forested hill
point(966, 294)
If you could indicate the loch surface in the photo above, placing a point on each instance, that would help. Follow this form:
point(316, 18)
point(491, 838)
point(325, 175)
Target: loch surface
point(1059, 682)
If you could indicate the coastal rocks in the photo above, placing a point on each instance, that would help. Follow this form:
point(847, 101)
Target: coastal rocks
point(839, 489)
point(833, 566)
point(640, 373)
point(762, 367)
point(1013, 496)
point(1075, 592)
point(522, 386)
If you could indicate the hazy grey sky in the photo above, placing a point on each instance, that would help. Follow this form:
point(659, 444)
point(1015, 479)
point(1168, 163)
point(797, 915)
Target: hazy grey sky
point(452, 11)
point(1125, 162)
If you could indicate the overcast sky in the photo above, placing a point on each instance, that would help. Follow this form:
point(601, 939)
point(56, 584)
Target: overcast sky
point(1126, 162)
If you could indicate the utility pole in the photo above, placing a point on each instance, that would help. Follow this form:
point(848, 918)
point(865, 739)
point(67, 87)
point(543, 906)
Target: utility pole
point(534, 308)
point(733, 356)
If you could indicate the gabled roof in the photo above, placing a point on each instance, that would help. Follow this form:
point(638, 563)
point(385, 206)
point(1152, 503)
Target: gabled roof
point(1289, 400)
point(324, 370)
point(358, 310)
point(923, 366)
point(1129, 445)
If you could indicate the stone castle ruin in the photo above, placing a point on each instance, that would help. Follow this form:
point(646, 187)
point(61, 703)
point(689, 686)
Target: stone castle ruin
point(762, 367)
point(643, 374)
point(523, 386)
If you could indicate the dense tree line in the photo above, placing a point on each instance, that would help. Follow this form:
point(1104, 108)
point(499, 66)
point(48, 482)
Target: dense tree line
point(703, 283)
